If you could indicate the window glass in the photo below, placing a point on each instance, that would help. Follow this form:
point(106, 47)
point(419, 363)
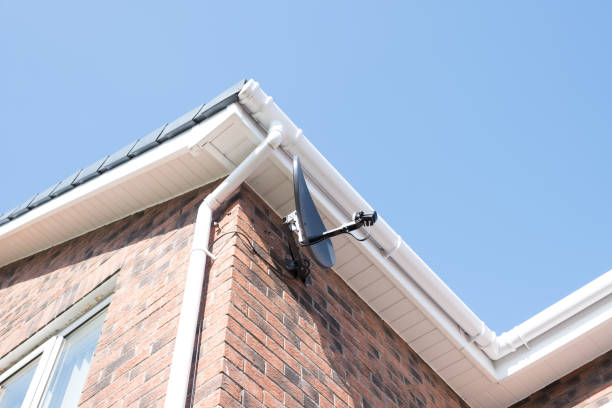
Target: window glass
point(13, 389)
point(73, 365)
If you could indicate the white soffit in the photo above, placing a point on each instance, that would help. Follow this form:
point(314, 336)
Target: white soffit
point(478, 380)
point(171, 169)
point(213, 148)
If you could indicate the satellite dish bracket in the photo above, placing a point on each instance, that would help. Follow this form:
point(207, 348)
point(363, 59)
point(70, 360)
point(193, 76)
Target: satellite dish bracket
point(311, 230)
point(360, 219)
point(297, 265)
point(300, 266)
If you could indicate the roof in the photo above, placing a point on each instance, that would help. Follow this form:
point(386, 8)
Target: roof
point(211, 140)
point(133, 149)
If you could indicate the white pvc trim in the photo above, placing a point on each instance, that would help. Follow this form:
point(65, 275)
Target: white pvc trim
point(49, 351)
point(555, 340)
point(178, 382)
point(23, 362)
point(397, 246)
point(48, 360)
point(42, 368)
point(85, 317)
point(557, 313)
point(282, 160)
point(92, 301)
point(341, 196)
point(403, 266)
point(153, 158)
point(403, 282)
point(58, 347)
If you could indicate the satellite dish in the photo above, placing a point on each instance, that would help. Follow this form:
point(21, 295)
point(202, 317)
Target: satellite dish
point(310, 224)
point(311, 230)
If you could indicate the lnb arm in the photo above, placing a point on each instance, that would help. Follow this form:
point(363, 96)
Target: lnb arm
point(360, 219)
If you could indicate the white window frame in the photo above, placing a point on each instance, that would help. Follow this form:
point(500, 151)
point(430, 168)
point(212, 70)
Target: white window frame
point(49, 353)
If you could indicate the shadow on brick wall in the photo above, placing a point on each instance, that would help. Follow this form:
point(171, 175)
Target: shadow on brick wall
point(104, 242)
point(36, 289)
point(335, 350)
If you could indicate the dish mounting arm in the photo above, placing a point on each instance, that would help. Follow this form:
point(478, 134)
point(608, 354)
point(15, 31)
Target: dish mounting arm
point(360, 219)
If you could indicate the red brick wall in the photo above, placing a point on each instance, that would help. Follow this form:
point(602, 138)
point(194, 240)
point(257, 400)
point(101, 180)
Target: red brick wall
point(265, 338)
point(269, 341)
point(148, 251)
point(590, 386)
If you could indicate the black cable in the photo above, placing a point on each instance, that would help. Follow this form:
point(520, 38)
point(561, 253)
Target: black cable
point(249, 243)
point(194, 364)
point(239, 233)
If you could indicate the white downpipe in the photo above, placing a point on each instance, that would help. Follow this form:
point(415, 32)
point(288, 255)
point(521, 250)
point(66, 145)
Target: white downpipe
point(341, 193)
point(178, 382)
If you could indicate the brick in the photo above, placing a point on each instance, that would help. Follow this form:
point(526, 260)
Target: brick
point(589, 386)
point(265, 339)
point(243, 380)
point(263, 381)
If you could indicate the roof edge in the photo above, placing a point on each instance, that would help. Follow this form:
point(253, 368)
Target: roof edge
point(160, 135)
point(387, 243)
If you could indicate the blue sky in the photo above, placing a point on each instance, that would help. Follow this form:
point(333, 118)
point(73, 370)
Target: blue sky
point(480, 131)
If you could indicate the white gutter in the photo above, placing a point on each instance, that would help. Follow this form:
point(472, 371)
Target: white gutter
point(178, 382)
point(575, 302)
point(145, 163)
point(392, 251)
point(391, 245)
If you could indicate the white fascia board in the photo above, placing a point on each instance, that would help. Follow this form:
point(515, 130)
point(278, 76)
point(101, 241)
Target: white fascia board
point(189, 141)
point(558, 337)
point(387, 249)
point(339, 200)
point(556, 314)
point(282, 159)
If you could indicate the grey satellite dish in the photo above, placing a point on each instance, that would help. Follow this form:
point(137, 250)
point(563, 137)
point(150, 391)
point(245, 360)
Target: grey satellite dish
point(310, 224)
point(310, 228)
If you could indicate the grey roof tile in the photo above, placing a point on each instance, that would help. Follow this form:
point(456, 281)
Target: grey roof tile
point(43, 197)
point(119, 157)
point(89, 172)
point(64, 185)
point(147, 142)
point(153, 139)
point(179, 125)
point(220, 102)
point(20, 210)
point(4, 218)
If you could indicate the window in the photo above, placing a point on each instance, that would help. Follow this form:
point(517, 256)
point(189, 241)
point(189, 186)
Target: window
point(13, 390)
point(73, 365)
point(53, 375)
